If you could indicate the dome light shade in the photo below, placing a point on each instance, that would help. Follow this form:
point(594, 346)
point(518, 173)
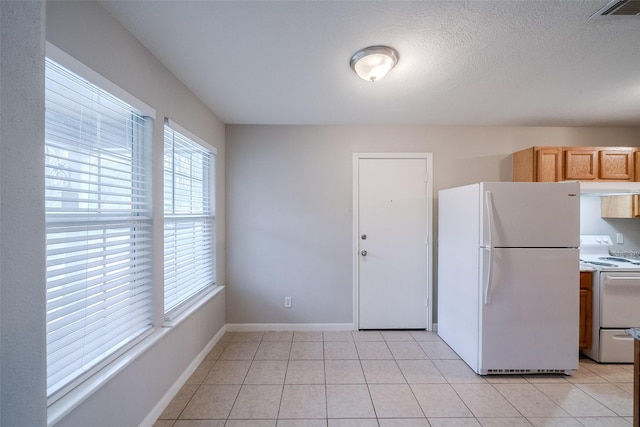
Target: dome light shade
point(374, 62)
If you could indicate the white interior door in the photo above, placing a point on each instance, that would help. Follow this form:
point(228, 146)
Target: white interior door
point(392, 217)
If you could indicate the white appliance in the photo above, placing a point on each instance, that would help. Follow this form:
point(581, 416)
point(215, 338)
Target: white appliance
point(508, 276)
point(616, 299)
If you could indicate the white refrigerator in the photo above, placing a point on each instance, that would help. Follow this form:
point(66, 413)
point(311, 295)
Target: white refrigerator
point(508, 275)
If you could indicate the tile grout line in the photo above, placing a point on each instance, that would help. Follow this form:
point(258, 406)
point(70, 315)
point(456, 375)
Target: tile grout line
point(536, 385)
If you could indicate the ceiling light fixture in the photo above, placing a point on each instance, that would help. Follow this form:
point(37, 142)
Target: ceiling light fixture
point(374, 62)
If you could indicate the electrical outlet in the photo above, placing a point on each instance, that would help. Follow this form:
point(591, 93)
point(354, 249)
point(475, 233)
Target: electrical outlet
point(620, 238)
point(287, 302)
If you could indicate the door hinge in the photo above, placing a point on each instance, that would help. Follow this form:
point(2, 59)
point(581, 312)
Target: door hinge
point(426, 302)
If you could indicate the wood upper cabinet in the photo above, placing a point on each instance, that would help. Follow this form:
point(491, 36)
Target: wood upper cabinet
point(600, 164)
point(616, 164)
point(581, 163)
point(586, 309)
point(620, 206)
point(549, 164)
point(538, 164)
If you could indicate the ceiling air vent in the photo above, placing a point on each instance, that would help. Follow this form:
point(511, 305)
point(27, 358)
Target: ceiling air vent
point(620, 8)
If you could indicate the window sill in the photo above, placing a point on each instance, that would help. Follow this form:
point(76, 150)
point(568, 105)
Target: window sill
point(67, 403)
point(192, 307)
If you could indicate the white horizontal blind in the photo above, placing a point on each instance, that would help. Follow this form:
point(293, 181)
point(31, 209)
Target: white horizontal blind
point(189, 220)
point(98, 225)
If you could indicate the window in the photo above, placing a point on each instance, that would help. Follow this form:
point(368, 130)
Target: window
point(98, 228)
point(189, 220)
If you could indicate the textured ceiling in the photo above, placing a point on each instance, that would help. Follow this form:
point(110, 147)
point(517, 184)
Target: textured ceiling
point(538, 63)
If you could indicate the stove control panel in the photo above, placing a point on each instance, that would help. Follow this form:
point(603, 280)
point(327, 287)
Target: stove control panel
point(597, 240)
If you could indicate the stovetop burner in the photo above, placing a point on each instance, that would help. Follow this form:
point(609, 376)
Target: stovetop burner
point(618, 259)
point(598, 263)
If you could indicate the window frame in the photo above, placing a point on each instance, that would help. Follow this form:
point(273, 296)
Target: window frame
point(64, 403)
point(96, 372)
point(177, 311)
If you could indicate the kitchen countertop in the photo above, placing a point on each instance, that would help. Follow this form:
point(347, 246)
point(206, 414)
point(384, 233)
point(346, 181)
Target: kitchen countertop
point(585, 267)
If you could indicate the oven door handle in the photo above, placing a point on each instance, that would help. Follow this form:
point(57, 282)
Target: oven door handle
point(621, 283)
point(622, 337)
point(620, 278)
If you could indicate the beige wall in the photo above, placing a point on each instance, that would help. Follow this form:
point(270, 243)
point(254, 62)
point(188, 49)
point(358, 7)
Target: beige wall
point(289, 204)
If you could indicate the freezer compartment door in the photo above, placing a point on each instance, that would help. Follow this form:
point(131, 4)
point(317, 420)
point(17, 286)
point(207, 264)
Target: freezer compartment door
point(619, 300)
point(529, 309)
point(530, 214)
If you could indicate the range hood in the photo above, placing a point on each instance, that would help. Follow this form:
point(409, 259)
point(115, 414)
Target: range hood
point(605, 188)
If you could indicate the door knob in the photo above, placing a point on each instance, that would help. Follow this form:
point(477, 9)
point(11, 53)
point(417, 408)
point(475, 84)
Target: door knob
point(363, 253)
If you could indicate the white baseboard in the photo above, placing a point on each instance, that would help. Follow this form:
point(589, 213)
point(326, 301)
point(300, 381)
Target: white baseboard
point(157, 410)
point(260, 327)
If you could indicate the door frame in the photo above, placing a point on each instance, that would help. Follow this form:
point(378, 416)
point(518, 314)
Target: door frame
point(428, 157)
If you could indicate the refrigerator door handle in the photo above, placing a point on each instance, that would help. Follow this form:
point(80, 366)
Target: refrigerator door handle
point(488, 203)
point(489, 279)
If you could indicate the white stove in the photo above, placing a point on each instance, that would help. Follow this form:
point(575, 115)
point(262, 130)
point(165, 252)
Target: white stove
point(595, 252)
point(616, 298)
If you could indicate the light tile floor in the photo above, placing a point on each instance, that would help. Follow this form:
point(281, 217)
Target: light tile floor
point(384, 379)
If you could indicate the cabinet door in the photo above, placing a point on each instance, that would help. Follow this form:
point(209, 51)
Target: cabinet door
point(580, 164)
point(616, 164)
point(586, 309)
point(636, 162)
point(548, 165)
point(620, 206)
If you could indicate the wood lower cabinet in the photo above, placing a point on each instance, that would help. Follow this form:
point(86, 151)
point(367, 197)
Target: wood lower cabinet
point(636, 382)
point(586, 309)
